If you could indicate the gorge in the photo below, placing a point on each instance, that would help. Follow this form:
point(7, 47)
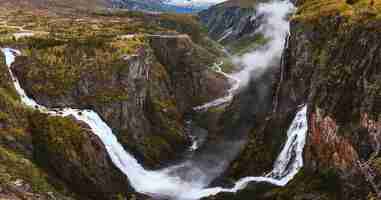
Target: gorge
point(108, 113)
point(163, 183)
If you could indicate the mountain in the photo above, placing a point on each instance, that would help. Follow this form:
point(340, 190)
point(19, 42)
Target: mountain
point(201, 3)
point(161, 6)
point(234, 23)
point(176, 6)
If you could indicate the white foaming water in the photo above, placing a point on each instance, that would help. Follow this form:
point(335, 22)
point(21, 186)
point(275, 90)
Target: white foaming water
point(274, 29)
point(163, 183)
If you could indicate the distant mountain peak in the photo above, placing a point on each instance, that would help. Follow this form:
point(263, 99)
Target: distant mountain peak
point(182, 6)
point(193, 2)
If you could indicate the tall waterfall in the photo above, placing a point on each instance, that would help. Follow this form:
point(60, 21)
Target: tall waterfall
point(274, 28)
point(164, 183)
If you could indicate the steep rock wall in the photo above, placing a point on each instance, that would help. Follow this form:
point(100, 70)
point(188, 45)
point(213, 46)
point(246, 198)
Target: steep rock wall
point(143, 96)
point(234, 24)
point(332, 63)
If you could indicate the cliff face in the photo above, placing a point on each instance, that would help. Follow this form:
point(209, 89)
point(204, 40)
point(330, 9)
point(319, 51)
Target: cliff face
point(41, 156)
point(143, 101)
point(234, 24)
point(189, 68)
point(345, 92)
point(332, 63)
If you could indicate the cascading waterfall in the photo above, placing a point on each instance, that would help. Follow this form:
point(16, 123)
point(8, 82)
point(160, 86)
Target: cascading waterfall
point(164, 183)
point(274, 29)
point(155, 183)
point(161, 183)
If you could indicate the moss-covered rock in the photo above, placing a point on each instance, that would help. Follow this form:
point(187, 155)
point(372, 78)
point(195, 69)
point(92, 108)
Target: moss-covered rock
point(117, 77)
point(77, 156)
point(21, 177)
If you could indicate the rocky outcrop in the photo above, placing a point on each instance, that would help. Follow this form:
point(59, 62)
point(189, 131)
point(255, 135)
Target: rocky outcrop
point(77, 156)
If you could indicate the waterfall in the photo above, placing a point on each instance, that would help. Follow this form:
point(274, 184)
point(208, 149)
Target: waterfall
point(167, 183)
point(161, 183)
point(274, 29)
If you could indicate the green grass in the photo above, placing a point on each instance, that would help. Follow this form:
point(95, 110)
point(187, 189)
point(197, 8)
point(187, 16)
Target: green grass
point(247, 44)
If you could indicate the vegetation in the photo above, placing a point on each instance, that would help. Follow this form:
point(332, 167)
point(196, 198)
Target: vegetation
point(355, 10)
point(324, 185)
point(56, 135)
point(247, 44)
point(16, 161)
point(56, 68)
point(14, 167)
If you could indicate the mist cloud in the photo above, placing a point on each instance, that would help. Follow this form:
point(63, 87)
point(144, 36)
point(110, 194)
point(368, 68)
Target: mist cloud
point(275, 28)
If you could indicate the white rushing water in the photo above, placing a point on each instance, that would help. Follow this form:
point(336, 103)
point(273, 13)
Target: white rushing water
point(155, 183)
point(165, 183)
point(160, 183)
